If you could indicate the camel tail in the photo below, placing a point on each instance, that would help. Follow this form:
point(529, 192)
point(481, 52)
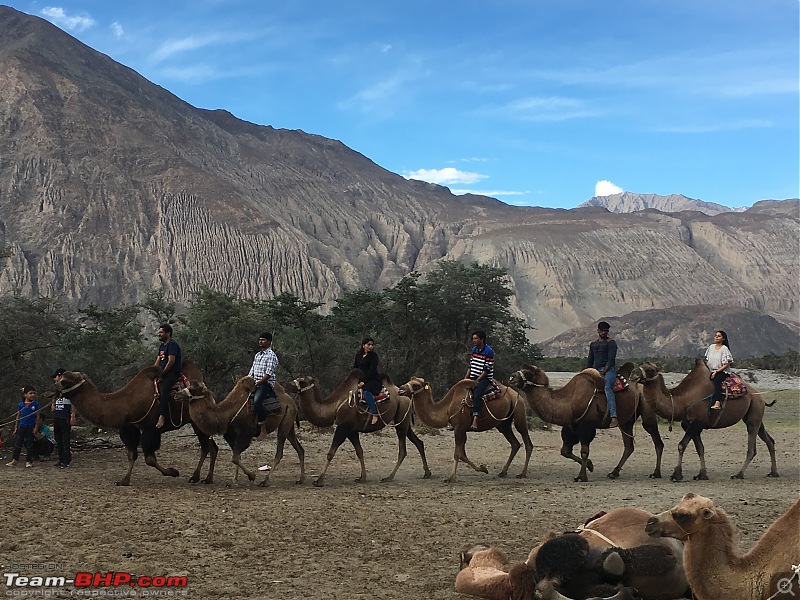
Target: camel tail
point(771, 403)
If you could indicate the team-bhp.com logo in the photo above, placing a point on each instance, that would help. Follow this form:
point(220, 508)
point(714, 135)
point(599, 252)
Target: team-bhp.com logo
point(97, 584)
point(783, 586)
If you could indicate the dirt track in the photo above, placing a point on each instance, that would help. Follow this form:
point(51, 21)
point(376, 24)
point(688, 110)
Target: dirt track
point(397, 540)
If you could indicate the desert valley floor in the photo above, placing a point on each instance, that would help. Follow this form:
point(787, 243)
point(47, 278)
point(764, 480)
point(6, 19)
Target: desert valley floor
point(347, 540)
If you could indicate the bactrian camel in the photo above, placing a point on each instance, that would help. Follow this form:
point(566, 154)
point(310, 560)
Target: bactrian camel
point(714, 565)
point(580, 408)
point(351, 418)
point(486, 572)
point(134, 411)
point(455, 409)
point(234, 419)
point(687, 403)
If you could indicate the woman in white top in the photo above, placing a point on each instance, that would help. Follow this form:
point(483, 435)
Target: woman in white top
point(718, 359)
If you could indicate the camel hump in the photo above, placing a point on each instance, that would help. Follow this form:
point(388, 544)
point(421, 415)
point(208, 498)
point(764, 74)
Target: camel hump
point(626, 370)
point(592, 374)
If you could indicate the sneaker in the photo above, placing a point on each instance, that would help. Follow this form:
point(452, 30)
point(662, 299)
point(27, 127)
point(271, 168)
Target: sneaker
point(13, 463)
point(65, 465)
point(58, 464)
point(28, 465)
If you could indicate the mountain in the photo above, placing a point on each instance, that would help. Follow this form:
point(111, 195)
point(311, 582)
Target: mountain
point(682, 331)
point(628, 202)
point(110, 185)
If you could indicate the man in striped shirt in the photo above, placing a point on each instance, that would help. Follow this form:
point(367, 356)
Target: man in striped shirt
point(481, 369)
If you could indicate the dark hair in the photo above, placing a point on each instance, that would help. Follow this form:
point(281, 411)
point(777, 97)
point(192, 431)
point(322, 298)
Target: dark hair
point(28, 388)
point(724, 337)
point(266, 335)
point(603, 326)
point(58, 372)
point(480, 334)
point(365, 340)
point(166, 327)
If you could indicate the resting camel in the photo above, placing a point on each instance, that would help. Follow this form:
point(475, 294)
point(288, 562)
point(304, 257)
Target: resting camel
point(134, 411)
point(685, 403)
point(499, 414)
point(713, 564)
point(351, 418)
point(580, 407)
point(655, 571)
point(234, 419)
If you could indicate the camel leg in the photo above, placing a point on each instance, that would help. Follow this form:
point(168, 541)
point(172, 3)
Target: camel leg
point(752, 432)
point(339, 436)
point(151, 441)
point(568, 440)
point(701, 452)
point(505, 429)
point(207, 446)
point(767, 438)
point(522, 427)
point(628, 446)
point(279, 443)
point(130, 437)
point(677, 473)
point(402, 451)
point(651, 427)
point(421, 449)
point(460, 454)
point(586, 432)
point(301, 453)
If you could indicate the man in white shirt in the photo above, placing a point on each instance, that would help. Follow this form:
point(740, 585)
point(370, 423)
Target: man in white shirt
point(265, 363)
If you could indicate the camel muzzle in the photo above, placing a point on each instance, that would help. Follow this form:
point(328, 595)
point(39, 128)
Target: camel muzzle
point(652, 528)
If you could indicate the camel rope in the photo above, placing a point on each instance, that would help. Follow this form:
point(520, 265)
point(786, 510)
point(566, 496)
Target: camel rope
point(598, 534)
point(465, 404)
point(155, 397)
point(782, 583)
point(13, 416)
point(352, 401)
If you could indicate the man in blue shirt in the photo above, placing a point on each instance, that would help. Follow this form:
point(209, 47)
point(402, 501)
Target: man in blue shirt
point(481, 369)
point(603, 356)
point(169, 359)
point(64, 418)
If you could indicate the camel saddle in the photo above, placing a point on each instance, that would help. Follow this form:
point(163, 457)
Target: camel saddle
point(620, 383)
point(383, 396)
point(182, 383)
point(492, 392)
point(734, 387)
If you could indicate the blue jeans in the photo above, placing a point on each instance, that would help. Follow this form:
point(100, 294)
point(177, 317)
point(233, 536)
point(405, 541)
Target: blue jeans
point(262, 392)
point(477, 395)
point(611, 375)
point(369, 398)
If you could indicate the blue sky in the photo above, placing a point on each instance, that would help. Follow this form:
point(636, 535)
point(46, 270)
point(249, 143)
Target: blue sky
point(534, 102)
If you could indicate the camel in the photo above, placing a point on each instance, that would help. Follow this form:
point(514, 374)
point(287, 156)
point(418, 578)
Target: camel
point(234, 419)
point(656, 572)
point(351, 419)
point(714, 566)
point(134, 410)
point(685, 403)
point(501, 414)
point(580, 408)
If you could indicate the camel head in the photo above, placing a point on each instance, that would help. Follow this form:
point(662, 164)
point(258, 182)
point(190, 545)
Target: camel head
point(692, 514)
point(413, 387)
point(70, 380)
point(528, 376)
point(301, 384)
point(197, 390)
point(645, 372)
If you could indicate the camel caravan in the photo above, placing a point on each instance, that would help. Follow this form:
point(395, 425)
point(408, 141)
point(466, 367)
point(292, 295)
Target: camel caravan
point(580, 408)
point(688, 551)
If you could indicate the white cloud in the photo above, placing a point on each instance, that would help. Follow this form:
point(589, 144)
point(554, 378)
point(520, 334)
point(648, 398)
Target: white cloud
point(57, 16)
point(445, 176)
point(606, 188)
point(553, 108)
point(117, 29)
point(193, 42)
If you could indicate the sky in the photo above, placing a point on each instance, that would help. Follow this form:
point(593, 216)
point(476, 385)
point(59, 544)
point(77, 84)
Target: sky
point(533, 102)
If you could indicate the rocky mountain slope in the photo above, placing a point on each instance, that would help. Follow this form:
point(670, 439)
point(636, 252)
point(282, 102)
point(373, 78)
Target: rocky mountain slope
point(629, 202)
point(110, 185)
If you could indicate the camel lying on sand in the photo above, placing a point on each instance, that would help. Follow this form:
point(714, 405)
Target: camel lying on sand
point(581, 408)
point(502, 414)
point(351, 419)
point(133, 410)
point(235, 421)
point(712, 560)
point(684, 403)
point(486, 572)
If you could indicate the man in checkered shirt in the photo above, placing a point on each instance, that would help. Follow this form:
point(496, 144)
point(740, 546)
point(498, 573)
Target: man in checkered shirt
point(265, 363)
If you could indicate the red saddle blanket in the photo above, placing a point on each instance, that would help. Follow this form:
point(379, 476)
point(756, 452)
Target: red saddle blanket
point(182, 383)
point(492, 393)
point(734, 387)
point(620, 383)
point(382, 397)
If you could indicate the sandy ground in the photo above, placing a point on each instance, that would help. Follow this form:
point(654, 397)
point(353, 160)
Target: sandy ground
point(347, 540)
